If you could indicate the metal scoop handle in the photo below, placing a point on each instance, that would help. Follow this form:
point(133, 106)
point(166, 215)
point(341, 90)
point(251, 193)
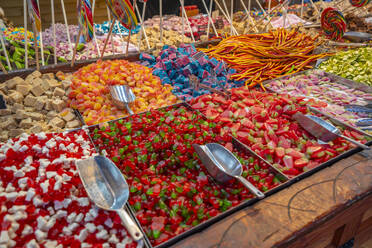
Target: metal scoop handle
point(250, 186)
point(355, 142)
point(130, 111)
point(130, 225)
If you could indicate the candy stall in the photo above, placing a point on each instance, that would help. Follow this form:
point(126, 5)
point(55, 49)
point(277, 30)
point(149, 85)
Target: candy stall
point(232, 125)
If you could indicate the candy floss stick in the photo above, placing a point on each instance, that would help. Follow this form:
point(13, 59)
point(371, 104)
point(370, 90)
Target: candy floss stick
point(302, 9)
point(94, 31)
point(54, 31)
point(4, 49)
point(109, 19)
point(66, 25)
point(25, 27)
point(187, 20)
point(36, 48)
point(41, 42)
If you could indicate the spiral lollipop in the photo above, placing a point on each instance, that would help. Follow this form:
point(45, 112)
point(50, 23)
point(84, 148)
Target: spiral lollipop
point(85, 18)
point(123, 11)
point(359, 3)
point(33, 11)
point(333, 23)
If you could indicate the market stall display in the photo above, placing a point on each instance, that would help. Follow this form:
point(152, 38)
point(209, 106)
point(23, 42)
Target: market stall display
point(263, 121)
point(170, 190)
point(36, 104)
point(353, 64)
point(320, 87)
point(174, 66)
point(42, 200)
point(259, 57)
point(90, 93)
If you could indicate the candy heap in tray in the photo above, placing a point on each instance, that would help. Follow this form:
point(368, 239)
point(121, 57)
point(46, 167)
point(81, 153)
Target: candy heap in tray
point(42, 200)
point(326, 92)
point(263, 121)
point(175, 65)
point(170, 190)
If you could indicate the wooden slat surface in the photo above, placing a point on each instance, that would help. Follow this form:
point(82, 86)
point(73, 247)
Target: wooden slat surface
point(298, 215)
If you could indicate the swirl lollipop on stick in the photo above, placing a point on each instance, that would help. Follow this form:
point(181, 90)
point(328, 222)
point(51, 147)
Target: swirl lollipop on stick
point(34, 14)
point(333, 23)
point(359, 3)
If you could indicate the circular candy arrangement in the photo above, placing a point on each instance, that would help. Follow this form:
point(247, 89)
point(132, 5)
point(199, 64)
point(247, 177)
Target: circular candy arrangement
point(333, 23)
point(360, 3)
point(123, 11)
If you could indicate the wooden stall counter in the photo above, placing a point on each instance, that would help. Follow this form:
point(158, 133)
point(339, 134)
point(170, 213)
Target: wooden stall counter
point(328, 209)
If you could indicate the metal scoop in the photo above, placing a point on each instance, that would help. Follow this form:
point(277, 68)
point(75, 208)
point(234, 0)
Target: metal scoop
point(107, 188)
point(223, 165)
point(357, 36)
point(323, 130)
point(122, 95)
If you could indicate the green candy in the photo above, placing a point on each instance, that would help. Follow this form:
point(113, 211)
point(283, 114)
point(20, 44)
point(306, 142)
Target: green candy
point(353, 64)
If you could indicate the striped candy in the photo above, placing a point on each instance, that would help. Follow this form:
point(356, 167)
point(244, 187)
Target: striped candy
point(123, 11)
point(34, 13)
point(85, 18)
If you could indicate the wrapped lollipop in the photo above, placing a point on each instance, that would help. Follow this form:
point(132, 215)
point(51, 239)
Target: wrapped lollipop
point(359, 3)
point(333, 23)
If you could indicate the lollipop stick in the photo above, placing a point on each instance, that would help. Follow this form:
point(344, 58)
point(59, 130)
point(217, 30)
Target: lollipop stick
point(302, 9)
point(36, 48)
point(142, 30)
point(25, 30)
point(127, 49)
point(5, 52)
point(106, 40)
point(161, 20)
point(224, 14)
point(188, 22)
point(231, 16)
point(248, 15)
point(54, 31)
point(66, 25)
point(112, 23)
point(75, 48)
point(41, 42)
point(3, 68)
point(183, 21)
point(269, 7)
point(210, 20)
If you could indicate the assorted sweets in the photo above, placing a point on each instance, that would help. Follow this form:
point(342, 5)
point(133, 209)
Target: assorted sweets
point(91, 96)
point(170, 190)
point(264, 122)
point(42, 200)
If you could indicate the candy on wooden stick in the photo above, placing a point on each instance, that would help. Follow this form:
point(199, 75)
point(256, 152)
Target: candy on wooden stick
point(333, 23)
point(142, 30)
point(25, 30)
point(187, 21)
point(225, 15)
point(107, 38)
point(34, 14)
point(66, 25)
point(210, 20)
point(41, 42)
point(109, 19)
point(54, 31)
point(4, 50)
point(248, 15)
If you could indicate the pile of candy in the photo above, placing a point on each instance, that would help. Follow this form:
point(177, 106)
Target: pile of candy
point(42, 200)
point(61, 34)
point(259, 57)
point(36, 104)
point(91, 96)
point(264, 122)
point(17, 55)
point(175, 65)
point(18, 34)
point(170, 37)
point(170, 190)
point(351, 64)
point(316, 85)
point(117, 29)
